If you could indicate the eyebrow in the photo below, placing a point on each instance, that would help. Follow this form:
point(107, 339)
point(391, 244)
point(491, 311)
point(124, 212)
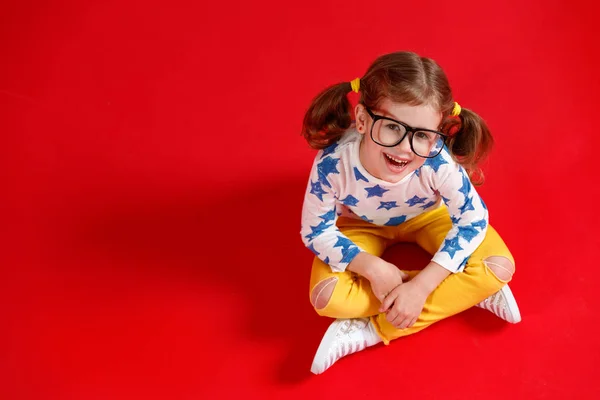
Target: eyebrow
point(388, 115)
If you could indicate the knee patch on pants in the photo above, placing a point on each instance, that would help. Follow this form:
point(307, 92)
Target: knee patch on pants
point(501, 267)
point(322, 292)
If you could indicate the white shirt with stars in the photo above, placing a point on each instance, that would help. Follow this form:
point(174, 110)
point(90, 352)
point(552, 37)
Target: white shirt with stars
point(340, 186)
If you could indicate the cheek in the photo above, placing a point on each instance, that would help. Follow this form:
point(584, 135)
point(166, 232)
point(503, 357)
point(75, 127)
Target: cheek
point(418, 162)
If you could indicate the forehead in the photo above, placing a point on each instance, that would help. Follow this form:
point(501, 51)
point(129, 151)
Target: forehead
point(422, 116)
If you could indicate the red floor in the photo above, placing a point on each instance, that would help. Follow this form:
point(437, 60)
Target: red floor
point(153, 177)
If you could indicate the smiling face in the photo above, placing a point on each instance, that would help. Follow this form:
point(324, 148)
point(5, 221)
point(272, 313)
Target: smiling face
point(392, 164)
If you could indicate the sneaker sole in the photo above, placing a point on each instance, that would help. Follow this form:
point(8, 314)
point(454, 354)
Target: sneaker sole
point(511, 303)
point(323, 349)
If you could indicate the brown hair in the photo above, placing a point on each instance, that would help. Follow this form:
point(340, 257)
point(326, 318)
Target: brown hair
point(403, 77)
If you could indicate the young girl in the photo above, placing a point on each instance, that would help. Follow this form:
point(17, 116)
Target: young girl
point(400, 172)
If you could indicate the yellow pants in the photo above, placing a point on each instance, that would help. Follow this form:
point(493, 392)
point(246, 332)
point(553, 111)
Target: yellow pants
point(353, 298)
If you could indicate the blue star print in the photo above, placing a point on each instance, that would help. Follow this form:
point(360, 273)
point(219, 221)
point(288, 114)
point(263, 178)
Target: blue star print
point(454, 219)
point(451, 246)
point(418, 172)
point(364, 217)
point(463, 263)
point(426, 206)
point(359, 176)
point(396, 221)
point(375, 191)
point(317, 189)
point(446, 201)
point(327, 166)
point(326, 260)
point(328, 216)
point(467, 232)
point(349, 254)
point(480, 224)
point(467, 206)
point(329, 149)
point(466, 184)
point(350, 200)
point(388, 205)
point(311, 247)
point(415, 200)
point(317, 230)
point(436, 162)
point(343, 242)
point(483, 204)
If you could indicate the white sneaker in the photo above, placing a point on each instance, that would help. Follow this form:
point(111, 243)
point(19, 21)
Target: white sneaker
point(343, 337)
point(503, 305)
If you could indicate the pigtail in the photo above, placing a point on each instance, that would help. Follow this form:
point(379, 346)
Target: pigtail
point(328, 116)
point(469, 143)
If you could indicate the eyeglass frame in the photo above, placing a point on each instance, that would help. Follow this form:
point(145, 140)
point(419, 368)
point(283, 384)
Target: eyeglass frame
point(409, 129)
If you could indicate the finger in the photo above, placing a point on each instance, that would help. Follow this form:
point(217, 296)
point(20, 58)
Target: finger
point(398, 320)
point(405, 323)
point(391, 315)
point(389, 299)
point(414, 321)
point(387, 303)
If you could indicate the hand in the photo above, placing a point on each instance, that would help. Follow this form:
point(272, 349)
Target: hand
point(384, 277)
point(404, 304)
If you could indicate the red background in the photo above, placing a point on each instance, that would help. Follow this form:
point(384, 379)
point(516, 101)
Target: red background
point(153, 175)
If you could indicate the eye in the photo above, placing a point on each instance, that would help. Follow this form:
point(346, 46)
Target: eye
point(422, 135)
point(393, 127)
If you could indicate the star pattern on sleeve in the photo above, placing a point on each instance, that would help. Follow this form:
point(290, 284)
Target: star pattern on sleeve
point(463, 263)
point(482, 223)
point(349, 254)
point(415, 200)
point(343, 242)
point(455, 220)
point(364, 218)
point(350, 200)
point(359, 176)
point(418, 172)
point(328, 150)
point(311, 247)
point(467, 206)
point(317, 230)
point(327, 166)
point(483, 204)
point(326, 260)
point(426, 206)
point(467, 232)
point(317, 189)
point(388, 205)
point(435, 163)
point(466, 184)
point(375, 191)
point(451, 246)
point(395, 221)
point(328, 216)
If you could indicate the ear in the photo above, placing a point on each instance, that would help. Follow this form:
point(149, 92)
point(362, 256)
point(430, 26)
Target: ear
point(361, 118)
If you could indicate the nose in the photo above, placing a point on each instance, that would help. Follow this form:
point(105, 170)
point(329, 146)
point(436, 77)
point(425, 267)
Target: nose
point(404, 145)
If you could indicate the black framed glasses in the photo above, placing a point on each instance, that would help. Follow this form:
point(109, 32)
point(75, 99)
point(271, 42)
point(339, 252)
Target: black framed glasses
point(388, 132)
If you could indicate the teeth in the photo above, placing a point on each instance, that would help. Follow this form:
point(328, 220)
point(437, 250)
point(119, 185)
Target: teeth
point(401, 162)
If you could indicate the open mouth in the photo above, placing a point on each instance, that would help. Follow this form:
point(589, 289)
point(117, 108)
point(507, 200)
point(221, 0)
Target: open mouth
point(395, 162)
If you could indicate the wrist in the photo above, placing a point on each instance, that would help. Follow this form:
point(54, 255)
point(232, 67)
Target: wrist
point(423, 286)
point(365, 264)
point(430, 278)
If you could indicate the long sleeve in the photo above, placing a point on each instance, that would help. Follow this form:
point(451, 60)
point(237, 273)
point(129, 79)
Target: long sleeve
point(319, 231)
point(469, 217)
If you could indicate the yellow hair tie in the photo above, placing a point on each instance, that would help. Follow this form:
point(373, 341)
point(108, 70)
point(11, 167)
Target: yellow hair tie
point(355, 83)
point(456, 110)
